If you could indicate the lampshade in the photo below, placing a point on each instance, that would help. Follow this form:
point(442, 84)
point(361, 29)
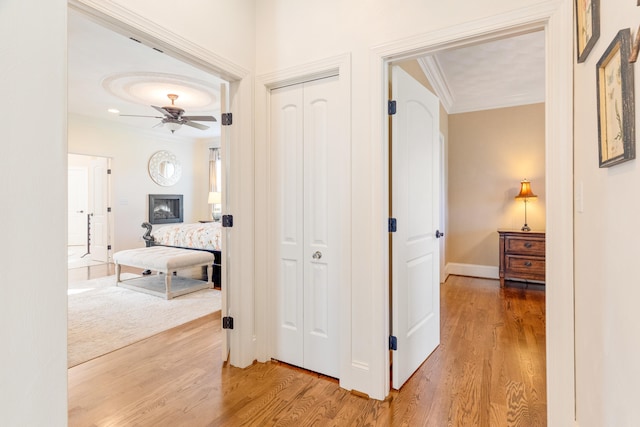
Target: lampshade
point(525, 190)
point(215, 197)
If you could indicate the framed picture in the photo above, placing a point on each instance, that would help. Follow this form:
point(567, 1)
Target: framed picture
point(636, 47)
point(588, 26)
point(616, 105)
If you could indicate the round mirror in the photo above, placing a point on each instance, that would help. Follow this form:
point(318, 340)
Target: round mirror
point(164, 168)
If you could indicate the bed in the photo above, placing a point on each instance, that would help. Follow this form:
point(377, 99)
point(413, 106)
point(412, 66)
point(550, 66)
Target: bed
point(198, 236)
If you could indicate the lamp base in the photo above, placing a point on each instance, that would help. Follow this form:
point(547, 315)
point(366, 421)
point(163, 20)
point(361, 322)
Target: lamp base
point(525, 228)
point(216, 216)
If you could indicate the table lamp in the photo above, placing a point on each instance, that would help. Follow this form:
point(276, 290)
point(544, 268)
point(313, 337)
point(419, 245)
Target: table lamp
point(525, 194)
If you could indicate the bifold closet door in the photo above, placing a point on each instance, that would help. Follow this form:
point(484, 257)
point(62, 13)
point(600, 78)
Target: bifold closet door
point(305, 192)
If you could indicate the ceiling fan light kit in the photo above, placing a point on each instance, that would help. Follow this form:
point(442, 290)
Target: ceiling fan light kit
point(173, 116)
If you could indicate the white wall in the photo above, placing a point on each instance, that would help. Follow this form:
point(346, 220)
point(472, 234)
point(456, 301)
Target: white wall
point(607, 236)
point(130, 150)
point(291, 34)
point(490, 151)
point(33, 170)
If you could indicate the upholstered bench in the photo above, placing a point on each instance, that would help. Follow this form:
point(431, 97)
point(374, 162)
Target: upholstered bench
point(166, 260)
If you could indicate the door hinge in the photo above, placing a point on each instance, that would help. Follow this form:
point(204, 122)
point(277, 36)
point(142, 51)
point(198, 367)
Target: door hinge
point(227, 322)
point(108, 247)
point(227, 221)
point(108, 171)
point(391, 108)
point(227, 119)
point(393, 343)
point(109, 209)
point(393, 225)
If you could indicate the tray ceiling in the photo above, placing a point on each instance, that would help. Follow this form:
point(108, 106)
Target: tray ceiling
point(108, 70)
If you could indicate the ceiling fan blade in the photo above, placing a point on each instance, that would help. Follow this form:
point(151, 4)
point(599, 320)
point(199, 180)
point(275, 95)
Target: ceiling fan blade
point(196, 125)
point(136, 115)
point(162, 110)
point(200, 118)
point(157, 125)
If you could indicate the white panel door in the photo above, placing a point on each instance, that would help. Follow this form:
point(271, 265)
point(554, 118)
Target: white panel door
point(323, 173)
point(306, 168)
point(99, 233)
point(287, 139)
point(78, 195)
point(415, 204)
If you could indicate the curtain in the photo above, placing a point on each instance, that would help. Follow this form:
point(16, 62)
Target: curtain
point(215, 181)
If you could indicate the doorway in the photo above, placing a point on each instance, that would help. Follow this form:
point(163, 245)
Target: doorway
point(233, 200)
point(90, 223)
point(559, 294)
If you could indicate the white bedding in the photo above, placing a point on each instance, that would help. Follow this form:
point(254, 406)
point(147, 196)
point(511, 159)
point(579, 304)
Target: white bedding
point(196, 236)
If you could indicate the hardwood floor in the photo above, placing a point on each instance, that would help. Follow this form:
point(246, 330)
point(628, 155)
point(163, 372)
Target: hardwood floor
point(489, 370)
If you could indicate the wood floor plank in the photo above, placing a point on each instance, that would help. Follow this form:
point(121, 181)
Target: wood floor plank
point(489, 370)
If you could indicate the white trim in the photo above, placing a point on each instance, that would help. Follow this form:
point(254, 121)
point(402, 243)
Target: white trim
point(519, 21)
point(481, 105)
point(556, 18)
point(433, 71)
point(431, 68)
point(341, 66)
point(472, 270)
point(128, 23)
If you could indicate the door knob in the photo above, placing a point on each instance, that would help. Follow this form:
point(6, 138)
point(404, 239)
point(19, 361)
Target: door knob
point(439, 234)
point(317, 255)
point(79, 211)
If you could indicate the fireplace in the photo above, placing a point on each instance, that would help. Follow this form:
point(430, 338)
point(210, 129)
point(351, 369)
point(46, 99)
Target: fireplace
point(165, 208)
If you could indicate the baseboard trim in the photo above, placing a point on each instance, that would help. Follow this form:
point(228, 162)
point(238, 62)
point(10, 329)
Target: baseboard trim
point(472, 270)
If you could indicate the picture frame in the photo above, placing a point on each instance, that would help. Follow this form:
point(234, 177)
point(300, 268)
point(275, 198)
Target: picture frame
point(616, 104)
point(635, 49)
point(587, 26)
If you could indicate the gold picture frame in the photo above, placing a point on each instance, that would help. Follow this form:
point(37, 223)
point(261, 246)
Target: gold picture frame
point(587, 26)
point(616, 105)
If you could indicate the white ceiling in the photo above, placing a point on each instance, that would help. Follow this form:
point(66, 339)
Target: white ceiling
point(108, 70)
point(496, 74)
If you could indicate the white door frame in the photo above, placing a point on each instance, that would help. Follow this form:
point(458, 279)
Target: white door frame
point(556, 19)
point(443, 205)
point(241, 187)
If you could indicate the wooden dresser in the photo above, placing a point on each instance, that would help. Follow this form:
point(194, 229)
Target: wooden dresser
point(522, 256)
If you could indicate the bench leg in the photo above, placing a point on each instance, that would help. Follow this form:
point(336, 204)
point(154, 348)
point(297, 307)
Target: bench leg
point(167, 284)
point(210, 275)
point(118, 269)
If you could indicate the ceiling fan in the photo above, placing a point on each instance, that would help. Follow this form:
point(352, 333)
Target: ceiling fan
point(173, 116)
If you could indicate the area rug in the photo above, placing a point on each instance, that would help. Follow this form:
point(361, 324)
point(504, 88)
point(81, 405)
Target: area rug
point(103, 317)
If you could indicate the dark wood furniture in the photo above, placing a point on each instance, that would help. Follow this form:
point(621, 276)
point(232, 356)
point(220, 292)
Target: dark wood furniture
point(522, 256)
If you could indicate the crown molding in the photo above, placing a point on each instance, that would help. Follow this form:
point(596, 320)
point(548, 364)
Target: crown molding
point(128, 23)
point(432, 70)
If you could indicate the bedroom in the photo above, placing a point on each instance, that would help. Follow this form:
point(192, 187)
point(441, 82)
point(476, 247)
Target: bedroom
point(131, 75)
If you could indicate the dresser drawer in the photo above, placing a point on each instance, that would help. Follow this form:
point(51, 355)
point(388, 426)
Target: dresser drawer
point(524, 245)
point(522, 255)
point(524, 267)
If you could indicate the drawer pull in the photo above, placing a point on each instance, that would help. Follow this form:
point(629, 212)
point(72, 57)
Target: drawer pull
point(528, 245)
point(527, 264)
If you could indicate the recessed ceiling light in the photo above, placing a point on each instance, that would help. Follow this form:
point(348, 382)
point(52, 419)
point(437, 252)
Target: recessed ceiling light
point(113, 110)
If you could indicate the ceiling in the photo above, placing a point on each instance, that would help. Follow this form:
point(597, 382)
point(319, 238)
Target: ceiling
point(108, 70)
point(500, 73)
